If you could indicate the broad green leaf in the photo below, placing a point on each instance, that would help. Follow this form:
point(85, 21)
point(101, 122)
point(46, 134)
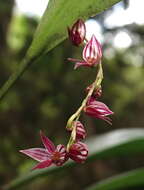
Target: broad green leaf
point(52, 29)
point(116, 143)
point(127, 179)
point(60, 14)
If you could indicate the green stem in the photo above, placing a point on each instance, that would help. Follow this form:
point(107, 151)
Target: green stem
point(76, 115)
point(95, 85)
point(15, 76)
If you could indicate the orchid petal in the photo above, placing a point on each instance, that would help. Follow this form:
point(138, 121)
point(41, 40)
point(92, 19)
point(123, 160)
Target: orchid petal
point(39, 154)
point(74, 60)
point(43, 164)
point(82, 63)
point(98, 110)
point(92, 52)
point(108, 120)
point(99, 106)
point(47, 143)
point(79, 63)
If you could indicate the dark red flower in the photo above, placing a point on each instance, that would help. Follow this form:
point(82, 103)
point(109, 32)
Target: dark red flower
point(80, 130)
point(96, 93)
point(77, 32)
point(98, 110)
point(48, 155)
point(92, 54)
point(78, 152)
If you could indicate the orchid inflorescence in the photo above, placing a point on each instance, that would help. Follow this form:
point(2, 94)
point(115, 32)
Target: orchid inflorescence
point(75, 149)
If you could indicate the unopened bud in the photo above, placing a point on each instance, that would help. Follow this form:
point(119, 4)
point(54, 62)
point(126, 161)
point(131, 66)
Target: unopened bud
point(96, 93)
point(77, 32)
point(78, 152)
point(80, 130)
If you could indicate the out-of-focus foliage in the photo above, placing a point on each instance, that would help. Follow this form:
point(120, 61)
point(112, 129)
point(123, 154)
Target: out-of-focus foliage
point(128, 179)
point(50, 91)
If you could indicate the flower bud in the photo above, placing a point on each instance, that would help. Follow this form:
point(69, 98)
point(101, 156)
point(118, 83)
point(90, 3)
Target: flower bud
point(96, 93)
point(98, 110)
point(77, 32)
point(78, 152)
point(80, 130)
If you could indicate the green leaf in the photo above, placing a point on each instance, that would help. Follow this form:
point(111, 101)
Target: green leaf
point(127, 179)
point(58, 16)
point(116, 143)
point(52, 29)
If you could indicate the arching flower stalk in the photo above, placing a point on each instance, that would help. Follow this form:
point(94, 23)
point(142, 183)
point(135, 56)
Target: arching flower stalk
point(75, 149)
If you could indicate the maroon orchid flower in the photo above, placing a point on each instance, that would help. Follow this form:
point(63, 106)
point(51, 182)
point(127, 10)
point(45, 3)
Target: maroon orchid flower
point(92, 54)
point(48, 155)
point(98, 110)
point(77, 32)
point(78, 152)
point(80, 130)
point(96, 93)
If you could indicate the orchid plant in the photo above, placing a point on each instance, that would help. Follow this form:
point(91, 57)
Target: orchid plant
point(75, 149)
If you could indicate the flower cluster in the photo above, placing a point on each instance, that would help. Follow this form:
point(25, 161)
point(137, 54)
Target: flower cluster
point(75, 149)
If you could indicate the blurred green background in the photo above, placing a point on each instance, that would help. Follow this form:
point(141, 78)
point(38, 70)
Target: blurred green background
point(50, 91)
